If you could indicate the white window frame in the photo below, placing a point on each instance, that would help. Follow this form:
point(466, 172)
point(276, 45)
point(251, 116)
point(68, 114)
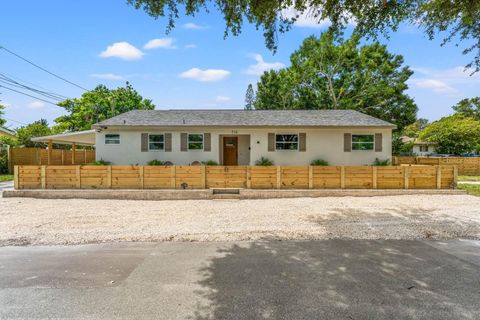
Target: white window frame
point(363, 134)
point(289, 134)
point(163, 142)
point(112, 139)
point(188, 141)
point(423, 148)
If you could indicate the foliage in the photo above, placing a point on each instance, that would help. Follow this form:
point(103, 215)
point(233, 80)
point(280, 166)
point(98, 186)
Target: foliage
point(332, 73)
point(457, 20)
point(472, 189)
point(156, 162)
point(382, 163)
point(319, 162)
point(249, 97)
point(6, 140)
point(99, 104)
point(210, 163)
point(5, 177)
point(3, 162)
point(455, 134)
point(469, 107)
point(100, 162)
point(35, 129)
point(263, 161)
point(414, 129)
point(2, 112)
point(468, 178)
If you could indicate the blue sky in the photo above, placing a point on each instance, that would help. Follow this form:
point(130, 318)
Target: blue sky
point(91, 42)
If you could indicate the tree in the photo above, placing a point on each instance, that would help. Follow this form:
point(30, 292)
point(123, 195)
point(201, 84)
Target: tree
point(459, 20)
point(469, 107)
point(99, 104)
point(249, 98)
point(331, 73)
point(455, 134)
point(414, 129)
point(2, 112)
point(35, 129)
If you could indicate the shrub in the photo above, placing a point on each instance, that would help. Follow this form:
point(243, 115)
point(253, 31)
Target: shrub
point(156, 162)
point(319, 162)
point(379, 162)
point(263, 161)
point(3, 162)
point(210, 163)
point(100, 162)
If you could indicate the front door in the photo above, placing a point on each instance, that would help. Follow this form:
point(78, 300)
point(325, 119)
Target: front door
point(230, 151)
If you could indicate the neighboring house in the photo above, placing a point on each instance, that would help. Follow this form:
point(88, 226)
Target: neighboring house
point(240, 137)
point(420, 148)
point(6, 132)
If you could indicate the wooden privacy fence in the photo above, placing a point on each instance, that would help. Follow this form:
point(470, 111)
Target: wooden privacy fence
point(251, 177)
point(37, 156)
point(466, 165)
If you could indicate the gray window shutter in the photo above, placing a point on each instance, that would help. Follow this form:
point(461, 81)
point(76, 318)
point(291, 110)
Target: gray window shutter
point(271, 141)
point(378, 142)
point(347, 142)
point(302, 142)
point(168, 142)
point(144, 146)
point(183, 141)
point(207, 142)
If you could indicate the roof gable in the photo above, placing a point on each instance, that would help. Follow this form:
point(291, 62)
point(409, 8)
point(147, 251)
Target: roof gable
point(245, 118)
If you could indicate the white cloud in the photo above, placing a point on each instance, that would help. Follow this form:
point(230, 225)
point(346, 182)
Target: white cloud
point(307, 19)
point(207, 75)
point(108, 76)
point(165, 43)
point(36, 104)
point(222, 98)
point(190, 46)
point(261, 66)
point(122, 50)
point(193, 26)
point(436, 86)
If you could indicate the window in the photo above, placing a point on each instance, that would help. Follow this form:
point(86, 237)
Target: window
point(195, 141)
point(423, 148)
point(362, 141)
point(112, 139)
point(286, 142)
point(155, 142)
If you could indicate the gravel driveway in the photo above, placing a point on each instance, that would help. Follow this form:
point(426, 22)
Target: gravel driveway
point(38, 221)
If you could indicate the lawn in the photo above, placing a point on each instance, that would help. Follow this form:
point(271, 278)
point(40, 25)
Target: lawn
point(473, 189)
point(468, 178)
point(6, 177)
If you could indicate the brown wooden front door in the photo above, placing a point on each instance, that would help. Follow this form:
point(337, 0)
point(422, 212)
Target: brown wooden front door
point(230, 151)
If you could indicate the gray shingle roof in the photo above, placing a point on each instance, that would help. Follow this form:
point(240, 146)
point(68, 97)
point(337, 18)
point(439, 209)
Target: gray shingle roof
point(245, 118)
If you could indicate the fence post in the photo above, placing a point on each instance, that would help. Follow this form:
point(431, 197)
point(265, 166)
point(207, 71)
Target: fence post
point(9, 159)
point(342, 177)
point(279, 177)
point(455, 176)
point(406, 174)
point(43, 178)
point(50, 147)
point(74, 153)
point(374, 177)
point(109, 176)
point(140, 173)
point(78, 180)
point(310, 177)
point(439, 177)
point(249, 177)
point(204, 176)
point(173, 183)
point(15, 177)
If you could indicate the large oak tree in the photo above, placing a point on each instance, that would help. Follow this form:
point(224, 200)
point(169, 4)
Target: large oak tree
point(331, 73)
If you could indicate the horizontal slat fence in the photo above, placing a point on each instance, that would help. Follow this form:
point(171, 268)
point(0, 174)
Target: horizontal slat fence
point(251, 177)
point(466, 165)
point(37, 156)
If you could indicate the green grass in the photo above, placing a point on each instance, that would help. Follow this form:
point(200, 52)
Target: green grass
point(468, 178)
point(473, 189)
point(6, 177)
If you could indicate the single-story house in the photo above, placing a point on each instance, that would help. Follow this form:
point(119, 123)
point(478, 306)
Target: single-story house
point(421, 148)
point(238, 137)
point(4, 132)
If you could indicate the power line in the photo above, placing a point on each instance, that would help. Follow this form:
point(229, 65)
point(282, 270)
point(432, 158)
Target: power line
point(25, 124)
point(29, 95)
point(15, 84)
point(16, 79)
point(43, 69)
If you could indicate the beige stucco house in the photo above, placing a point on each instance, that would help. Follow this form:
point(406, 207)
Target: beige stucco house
point(4, 132)
point(240, 137)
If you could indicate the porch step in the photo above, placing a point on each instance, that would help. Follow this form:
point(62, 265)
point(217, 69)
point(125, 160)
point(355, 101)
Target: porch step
point(226, 193)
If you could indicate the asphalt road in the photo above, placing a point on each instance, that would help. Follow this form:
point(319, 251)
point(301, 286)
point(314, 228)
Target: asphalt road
point(331, 279)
